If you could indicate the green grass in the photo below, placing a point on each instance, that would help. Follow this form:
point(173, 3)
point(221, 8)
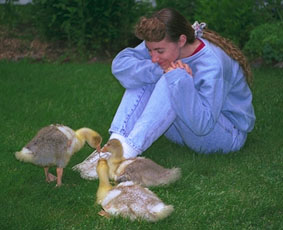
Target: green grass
point(242, 190)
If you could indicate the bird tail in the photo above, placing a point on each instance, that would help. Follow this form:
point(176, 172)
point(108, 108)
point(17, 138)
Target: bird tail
point(24, 155)
point(166, 211)
point(170, 176)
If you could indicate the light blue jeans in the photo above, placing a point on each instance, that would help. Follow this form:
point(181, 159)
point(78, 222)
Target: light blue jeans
point(145, 114)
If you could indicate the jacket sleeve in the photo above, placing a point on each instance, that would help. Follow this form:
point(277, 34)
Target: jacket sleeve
point(133, 67)
point(197, 100)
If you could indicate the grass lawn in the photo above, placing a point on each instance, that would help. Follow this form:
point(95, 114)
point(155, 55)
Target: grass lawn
point(242, 190)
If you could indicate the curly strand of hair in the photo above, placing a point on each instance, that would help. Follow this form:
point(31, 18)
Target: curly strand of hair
point(232, 50)
point(150, 29)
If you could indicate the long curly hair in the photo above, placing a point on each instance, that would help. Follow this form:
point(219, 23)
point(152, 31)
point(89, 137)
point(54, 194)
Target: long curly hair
point(169, 23)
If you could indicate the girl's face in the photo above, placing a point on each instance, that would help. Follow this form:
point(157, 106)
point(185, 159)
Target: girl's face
point(164, 52)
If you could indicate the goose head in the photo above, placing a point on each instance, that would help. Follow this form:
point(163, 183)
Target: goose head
point(91, 137)
point(115, 147)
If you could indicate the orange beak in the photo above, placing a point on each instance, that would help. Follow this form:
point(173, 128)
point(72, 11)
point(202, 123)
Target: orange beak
point(104, 149)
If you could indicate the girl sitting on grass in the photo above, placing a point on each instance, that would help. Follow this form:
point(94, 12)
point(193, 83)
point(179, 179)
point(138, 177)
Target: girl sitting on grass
point(183, 81)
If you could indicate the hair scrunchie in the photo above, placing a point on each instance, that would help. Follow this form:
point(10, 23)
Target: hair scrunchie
point(198, 27)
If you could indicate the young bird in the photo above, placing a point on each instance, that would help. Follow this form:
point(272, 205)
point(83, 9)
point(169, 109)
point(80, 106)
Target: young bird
point(128, 199)
point(140, 170)
point(54, 145)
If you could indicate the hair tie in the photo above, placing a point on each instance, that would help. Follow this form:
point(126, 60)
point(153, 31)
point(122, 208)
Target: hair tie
point(198, 27)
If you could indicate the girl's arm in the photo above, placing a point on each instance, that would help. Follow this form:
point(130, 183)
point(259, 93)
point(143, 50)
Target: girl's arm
point(133, 67)
point(197, 104)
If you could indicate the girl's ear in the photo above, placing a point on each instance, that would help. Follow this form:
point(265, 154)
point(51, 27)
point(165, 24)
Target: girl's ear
point(182, 40)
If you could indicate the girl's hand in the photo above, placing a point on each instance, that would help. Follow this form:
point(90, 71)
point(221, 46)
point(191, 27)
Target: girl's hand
point(184, 66)
point(172, 66)
point(179, 64)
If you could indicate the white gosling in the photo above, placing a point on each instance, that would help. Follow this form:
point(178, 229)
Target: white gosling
point(127, 199)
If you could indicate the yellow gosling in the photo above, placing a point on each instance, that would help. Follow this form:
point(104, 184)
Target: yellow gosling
point(54, 145)
point(140, 170)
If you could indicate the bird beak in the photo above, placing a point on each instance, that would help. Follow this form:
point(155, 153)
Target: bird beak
point(104, 149)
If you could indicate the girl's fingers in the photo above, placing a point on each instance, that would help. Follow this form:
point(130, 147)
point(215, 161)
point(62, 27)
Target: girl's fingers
point(188, 69)
point(179, 64)
point(168, 69)
point(173, 65)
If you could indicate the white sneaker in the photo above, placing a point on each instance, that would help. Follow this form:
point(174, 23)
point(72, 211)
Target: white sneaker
point(87, 168)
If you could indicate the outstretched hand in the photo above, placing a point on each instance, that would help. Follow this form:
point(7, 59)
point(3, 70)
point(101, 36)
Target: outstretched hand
point(179, 64)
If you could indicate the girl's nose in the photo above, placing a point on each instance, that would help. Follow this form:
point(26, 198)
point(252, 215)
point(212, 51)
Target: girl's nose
point(154, 58)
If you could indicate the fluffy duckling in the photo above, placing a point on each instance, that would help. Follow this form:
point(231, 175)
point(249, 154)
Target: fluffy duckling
point(54, 145)
point(128, 199)
point(140, 170)
point(116, 158)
